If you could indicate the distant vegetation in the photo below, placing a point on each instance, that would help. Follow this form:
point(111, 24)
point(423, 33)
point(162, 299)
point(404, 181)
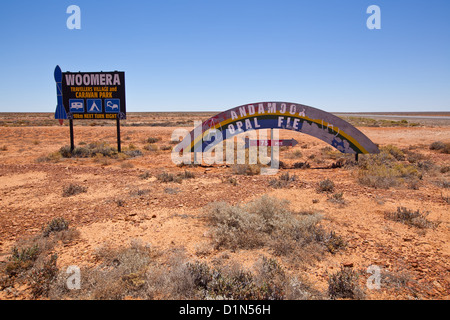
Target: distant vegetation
point(369, 122)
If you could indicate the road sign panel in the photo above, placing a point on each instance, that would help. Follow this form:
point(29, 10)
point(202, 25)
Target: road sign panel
point(112, 105)
point(76, 105)
point(95, 95)
point(94, 105)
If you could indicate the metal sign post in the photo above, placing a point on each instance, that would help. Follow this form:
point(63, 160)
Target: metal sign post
point(119, 149)
point(72, 144)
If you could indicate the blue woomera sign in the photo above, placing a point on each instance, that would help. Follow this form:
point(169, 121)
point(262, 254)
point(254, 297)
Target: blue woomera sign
point(90, 95)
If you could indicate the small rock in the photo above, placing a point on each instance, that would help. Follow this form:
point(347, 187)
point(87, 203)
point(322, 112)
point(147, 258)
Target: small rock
point(154, 216)
point(437, 285)
point(348, 264)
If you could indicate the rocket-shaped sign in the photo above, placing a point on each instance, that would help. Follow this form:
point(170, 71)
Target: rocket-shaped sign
point(60, 112)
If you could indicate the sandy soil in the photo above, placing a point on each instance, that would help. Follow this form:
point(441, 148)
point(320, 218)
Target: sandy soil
point(31, 195)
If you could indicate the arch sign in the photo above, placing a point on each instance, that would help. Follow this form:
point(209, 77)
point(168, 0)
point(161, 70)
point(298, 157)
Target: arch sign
point(277, 115)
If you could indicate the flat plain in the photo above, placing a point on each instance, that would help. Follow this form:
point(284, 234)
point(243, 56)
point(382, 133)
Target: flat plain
point(138, 226)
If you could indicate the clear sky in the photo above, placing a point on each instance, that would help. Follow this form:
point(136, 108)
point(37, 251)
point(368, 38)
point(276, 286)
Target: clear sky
point(198, 55)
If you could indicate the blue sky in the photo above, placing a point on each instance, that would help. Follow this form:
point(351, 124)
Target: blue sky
point(199, 55)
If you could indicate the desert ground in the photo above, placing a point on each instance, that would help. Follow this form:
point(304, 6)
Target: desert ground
point(134, 234)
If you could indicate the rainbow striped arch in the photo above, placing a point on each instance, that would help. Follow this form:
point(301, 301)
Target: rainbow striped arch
point(278, 115)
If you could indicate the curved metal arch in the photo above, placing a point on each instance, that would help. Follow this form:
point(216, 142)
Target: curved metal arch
point(278, 115)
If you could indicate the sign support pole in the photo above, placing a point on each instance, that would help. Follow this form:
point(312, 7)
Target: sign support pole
point(119, 149)
point(271, 150)
point(72, 144)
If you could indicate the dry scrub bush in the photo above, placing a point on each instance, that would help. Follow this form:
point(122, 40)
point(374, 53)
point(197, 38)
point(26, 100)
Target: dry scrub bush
point(383, 170)
point(51, 157)
point(268, 281)
point(302, 165)
point(268, 221)
point(145, 175)
point(294, 154)
point(136, 272)
point(56, 225)
point(99, 149)
point(31, 261)
point(169, 177)
point(326, 186)
point(151, 147)
point(152, 140)
point(411, 218)
point(73, 189)
point(246, 169)
point(337, 198)
point(344, 284)
point(441, 146)
point(394, 151)
point(139, 192)
point(284, 181)
point(121, 273)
